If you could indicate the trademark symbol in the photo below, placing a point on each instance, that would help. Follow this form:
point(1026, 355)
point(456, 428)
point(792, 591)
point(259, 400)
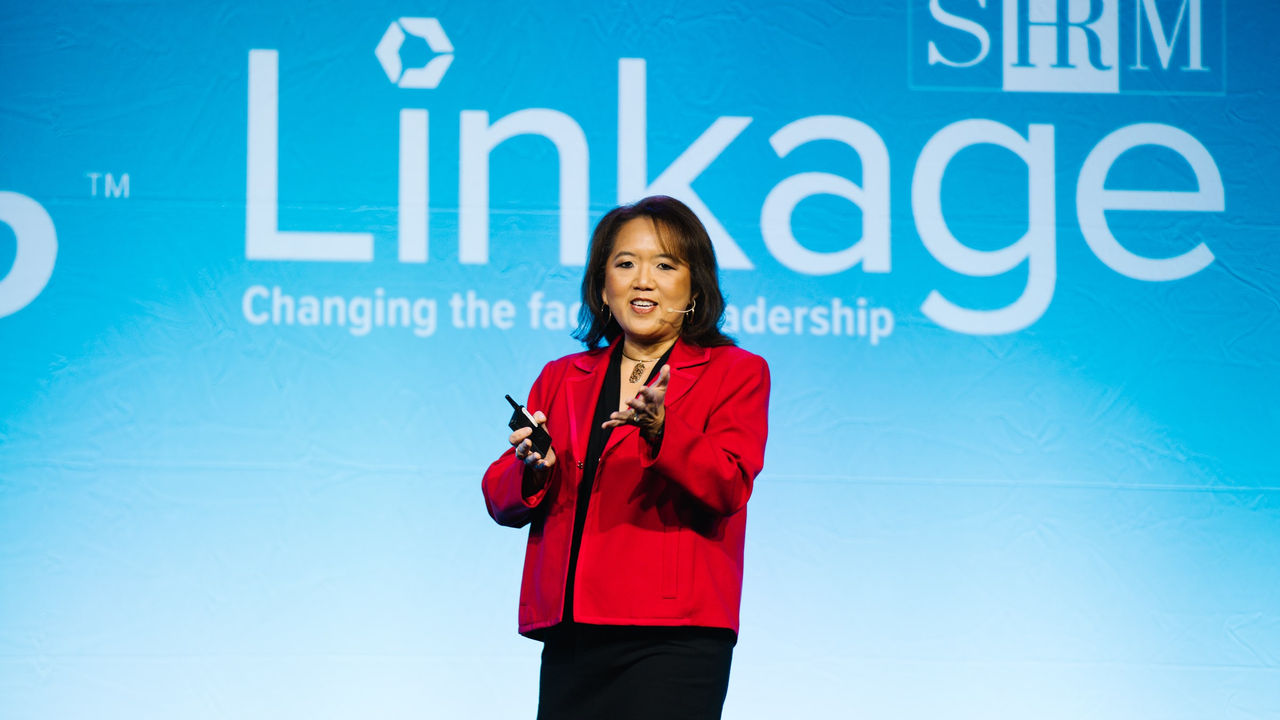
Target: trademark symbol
point(111, 186)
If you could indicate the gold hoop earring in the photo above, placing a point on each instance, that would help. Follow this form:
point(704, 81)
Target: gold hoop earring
point(608, 316)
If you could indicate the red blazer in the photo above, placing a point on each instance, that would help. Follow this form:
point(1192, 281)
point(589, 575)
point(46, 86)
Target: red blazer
point(663, 539)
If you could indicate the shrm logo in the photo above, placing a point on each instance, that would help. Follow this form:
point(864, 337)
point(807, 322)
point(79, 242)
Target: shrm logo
point(865, 243)
point(1079, 46)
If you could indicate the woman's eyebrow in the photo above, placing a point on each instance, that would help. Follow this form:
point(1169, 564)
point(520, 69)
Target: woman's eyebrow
point(660, 256)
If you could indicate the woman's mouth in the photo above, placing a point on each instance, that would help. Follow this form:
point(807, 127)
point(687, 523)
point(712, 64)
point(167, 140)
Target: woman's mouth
point(643, 306)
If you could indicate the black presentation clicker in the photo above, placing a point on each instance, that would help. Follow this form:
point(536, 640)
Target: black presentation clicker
point(522, 418)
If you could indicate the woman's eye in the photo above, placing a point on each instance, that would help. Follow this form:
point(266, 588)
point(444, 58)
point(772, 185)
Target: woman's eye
point(666, 266)
point(623, 264)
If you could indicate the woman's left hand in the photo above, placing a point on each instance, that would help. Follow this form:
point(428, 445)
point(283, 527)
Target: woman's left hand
point(646, 410)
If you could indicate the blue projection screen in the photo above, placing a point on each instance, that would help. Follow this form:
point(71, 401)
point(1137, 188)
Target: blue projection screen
point(267, 270)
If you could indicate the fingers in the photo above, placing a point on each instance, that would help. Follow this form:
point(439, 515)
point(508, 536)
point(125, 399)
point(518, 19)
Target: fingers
point(618, 419)
point(531, 456)
point(523, 433)
point(655, 393)
point(539, 462)
point(524, 449)
point(526, 454)
point(524, 446)
point(519, 435)
point(645, 406)
point(624, 417)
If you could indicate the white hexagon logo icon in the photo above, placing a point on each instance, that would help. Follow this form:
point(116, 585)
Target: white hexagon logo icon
point(388, 52)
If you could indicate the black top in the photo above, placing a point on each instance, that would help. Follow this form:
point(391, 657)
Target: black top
point(606, 405)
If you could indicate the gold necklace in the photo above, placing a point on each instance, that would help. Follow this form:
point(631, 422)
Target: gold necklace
point(637, 372)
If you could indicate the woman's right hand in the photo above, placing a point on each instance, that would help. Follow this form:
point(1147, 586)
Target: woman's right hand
point(524, 447)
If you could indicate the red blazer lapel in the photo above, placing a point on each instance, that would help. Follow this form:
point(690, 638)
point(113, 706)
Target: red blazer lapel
point(583, 388)
point(686, 365)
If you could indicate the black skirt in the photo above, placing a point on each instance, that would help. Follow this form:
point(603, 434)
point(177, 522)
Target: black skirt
point(616, 673)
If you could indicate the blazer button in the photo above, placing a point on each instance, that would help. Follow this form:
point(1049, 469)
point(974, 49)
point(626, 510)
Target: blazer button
point(581, 466)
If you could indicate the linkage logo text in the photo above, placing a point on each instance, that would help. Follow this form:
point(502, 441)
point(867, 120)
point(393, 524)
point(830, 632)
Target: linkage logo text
point(868, 238)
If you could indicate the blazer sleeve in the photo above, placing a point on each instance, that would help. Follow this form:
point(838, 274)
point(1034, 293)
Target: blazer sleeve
point(718, 463)
point(503, 484)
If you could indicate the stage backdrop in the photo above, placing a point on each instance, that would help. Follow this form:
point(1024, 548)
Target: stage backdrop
point(269, 268)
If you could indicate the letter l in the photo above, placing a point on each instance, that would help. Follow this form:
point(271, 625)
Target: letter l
point(263, 238)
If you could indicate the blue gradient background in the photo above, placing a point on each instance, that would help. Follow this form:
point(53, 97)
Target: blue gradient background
point(204, 518)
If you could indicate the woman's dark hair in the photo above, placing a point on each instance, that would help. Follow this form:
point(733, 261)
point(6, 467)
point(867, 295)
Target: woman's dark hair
point(682, 234)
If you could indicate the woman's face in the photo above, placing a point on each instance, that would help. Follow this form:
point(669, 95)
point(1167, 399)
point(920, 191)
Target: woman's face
point(644, 287)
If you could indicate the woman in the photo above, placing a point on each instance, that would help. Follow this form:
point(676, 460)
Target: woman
point(633, 573)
